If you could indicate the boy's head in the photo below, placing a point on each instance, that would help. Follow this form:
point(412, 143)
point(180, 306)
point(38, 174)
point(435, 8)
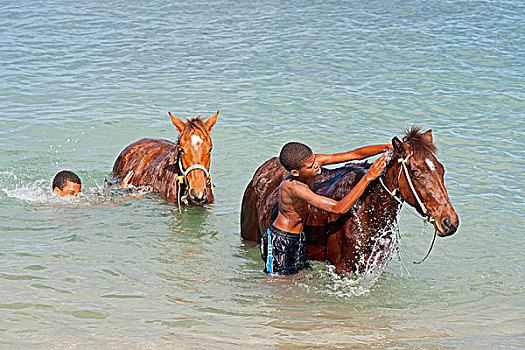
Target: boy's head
point(66, 184)
point(295, 155)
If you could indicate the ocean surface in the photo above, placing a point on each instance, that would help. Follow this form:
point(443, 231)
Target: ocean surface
point(81, 80)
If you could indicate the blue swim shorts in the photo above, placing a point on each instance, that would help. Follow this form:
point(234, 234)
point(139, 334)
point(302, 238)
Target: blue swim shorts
point(283, 252)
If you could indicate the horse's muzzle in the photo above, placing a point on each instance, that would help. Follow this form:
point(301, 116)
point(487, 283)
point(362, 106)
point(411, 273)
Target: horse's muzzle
point(447, 227)
point(197, 198)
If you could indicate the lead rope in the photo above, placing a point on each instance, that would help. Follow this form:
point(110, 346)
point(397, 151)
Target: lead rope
point(180, 181)
point(422, 206)
point(429, 250)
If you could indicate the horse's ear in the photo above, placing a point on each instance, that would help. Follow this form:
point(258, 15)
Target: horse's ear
point(428, 135)
point(179, 124)
point(399, 146)
point(211, 122)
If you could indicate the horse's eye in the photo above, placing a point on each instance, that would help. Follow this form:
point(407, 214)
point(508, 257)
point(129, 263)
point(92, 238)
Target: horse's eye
point(416, 173)
point(209, 151)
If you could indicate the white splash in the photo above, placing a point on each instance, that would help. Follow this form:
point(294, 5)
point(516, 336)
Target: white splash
point(37, 192)
point(40, 193)
point(328, 281)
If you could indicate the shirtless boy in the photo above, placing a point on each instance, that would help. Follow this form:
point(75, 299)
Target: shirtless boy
point(283, 245)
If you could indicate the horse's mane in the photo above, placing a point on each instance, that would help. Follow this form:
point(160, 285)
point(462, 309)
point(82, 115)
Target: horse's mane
point(421, 145)
point(195, 123)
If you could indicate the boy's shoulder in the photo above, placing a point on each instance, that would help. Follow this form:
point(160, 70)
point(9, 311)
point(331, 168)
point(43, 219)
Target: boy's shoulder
point(292, 186)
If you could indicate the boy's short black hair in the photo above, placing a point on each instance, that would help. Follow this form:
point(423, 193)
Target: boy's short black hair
point(63, 177)
point(294, 154)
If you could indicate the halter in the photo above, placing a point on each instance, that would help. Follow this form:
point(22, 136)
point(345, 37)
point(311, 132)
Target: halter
point(426, 219)
point(181, 179)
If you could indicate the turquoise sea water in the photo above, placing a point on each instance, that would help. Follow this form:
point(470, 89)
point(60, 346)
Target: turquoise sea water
point(80, 81)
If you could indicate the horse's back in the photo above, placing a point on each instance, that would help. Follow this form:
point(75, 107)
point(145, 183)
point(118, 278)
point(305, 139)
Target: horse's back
point(142, 152)
point(153, 162)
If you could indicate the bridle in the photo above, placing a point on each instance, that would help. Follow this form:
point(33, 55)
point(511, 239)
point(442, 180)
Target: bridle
point(404, 169)
point(183, 179)
point(427, 218)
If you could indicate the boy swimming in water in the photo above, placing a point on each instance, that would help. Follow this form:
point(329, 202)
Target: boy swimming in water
point(67, 184)
point(283, 246)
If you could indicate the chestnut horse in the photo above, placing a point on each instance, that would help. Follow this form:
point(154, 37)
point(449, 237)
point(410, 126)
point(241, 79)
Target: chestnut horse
point(178, 171)
point(365, 235)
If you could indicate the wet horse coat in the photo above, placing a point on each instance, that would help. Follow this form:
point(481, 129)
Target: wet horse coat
point(365, 234)
point(168, 167)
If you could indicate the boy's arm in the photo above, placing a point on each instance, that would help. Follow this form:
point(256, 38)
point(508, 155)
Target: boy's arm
point(356, 154)
point(348, 201)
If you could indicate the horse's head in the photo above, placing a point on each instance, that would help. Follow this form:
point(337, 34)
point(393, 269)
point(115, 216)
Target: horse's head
point(195, 156)
point(420, 179)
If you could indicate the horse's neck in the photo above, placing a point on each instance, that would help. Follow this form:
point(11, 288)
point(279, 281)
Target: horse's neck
point(391, 175)
point(370, 224)
point(174, 163)
point(383, 198)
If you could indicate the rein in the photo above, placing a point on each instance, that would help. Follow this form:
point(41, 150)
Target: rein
point(183, 179)
point(426, 220)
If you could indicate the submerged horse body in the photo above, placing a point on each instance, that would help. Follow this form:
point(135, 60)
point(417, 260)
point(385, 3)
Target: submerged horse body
point(365, 234)
point(170, 168)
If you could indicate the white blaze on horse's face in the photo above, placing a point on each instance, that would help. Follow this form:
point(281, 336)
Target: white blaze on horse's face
point(196, 141)
point(430, 164)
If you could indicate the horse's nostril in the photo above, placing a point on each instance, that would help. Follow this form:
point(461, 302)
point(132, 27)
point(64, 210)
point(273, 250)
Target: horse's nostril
point(446, 223)
point(196, 196)
point(448, 227)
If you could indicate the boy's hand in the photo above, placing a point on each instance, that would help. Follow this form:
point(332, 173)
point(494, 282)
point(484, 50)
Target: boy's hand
point(376, 168)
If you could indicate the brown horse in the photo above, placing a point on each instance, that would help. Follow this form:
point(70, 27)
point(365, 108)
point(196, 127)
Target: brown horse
point(178, 171)
point(365, 235)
